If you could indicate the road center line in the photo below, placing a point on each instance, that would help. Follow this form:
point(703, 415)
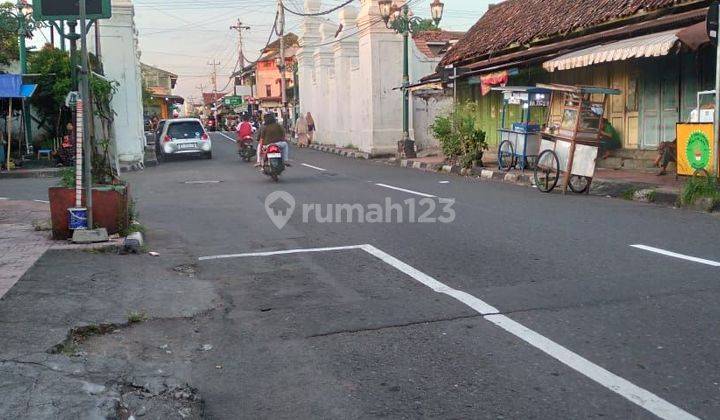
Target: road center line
point(314, 167)
point(676, 255)
point(227, 137)
point(407, 191)
point(602, 376)
point(42, 201)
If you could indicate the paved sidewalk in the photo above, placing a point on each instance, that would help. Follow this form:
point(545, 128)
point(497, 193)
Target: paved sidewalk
point(20, 244)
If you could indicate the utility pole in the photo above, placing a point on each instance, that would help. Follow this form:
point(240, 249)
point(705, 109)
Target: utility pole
point(283, 82)
point(241, 56)
point(86, 114)
point(215, 91)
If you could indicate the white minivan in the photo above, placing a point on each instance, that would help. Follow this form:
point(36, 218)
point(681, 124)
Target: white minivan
point(183, 136)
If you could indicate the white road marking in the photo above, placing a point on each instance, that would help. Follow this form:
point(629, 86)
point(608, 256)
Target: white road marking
point(203, 182)
point(42, 201)
point(676, 255)
point(313, 167)
point(272, 253)
point(227, 137)
point(407, 191)
point(633, 393)
point(443, 182)
point(4, 198)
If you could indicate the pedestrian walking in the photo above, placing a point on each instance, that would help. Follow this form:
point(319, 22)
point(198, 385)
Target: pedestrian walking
point(301, 130)
point(311, 127)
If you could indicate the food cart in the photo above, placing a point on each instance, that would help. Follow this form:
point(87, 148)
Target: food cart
point(570, 146)
point(519, 144)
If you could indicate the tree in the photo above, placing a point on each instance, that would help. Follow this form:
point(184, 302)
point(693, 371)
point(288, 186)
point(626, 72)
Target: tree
point(54, 83)
point(9, 49)
point(427, 25)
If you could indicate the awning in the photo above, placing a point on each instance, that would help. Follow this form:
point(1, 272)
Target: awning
point(11, 87)
point(654, 45)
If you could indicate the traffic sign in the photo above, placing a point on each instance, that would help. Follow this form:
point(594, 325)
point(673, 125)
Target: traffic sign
point(44, 10)
point(713, 22)
point(233, 101)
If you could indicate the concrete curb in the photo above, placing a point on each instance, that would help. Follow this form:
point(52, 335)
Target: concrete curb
point(600, 187)
point(341, 152)
point(31, 173)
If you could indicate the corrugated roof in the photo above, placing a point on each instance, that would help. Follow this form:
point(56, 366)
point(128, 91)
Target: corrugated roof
point(518, 22)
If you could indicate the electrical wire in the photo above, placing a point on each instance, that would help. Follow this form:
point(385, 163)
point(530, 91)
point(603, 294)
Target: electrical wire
point(326, 12)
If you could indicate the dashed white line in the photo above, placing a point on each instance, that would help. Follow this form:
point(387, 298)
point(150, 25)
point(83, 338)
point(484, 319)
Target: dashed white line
point(407, 191)
point(676, 255)
point(443, 182)
point(4, 198)
point(42, 201)
point(314, 167)
point(633, 393)
point(227, 137)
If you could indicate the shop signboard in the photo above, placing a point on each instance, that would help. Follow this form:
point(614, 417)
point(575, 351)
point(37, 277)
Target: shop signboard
point(695, 144)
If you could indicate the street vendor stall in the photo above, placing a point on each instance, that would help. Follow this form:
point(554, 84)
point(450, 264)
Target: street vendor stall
point(571, 145)
point(519, 143)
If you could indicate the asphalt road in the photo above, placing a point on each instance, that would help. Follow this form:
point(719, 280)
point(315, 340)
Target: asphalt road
point(525, 306)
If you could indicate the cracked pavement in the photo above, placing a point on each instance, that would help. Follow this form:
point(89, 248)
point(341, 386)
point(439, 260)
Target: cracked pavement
point(345, 335)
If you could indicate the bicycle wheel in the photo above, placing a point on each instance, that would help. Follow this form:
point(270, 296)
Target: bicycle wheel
point(506, 156)
point(579, 184)
point(547, 171)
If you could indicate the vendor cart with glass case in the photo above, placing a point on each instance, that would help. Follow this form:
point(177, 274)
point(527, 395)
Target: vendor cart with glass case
point(570, 146)
point(519, 144)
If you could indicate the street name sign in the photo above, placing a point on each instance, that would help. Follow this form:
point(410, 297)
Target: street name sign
point(233, 101)
point(44, 10)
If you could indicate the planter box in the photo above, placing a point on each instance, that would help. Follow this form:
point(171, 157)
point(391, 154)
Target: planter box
point(110, 209)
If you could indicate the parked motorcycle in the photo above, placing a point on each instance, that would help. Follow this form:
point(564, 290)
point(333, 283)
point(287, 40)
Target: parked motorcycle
point(246, 149)
point(272, 161)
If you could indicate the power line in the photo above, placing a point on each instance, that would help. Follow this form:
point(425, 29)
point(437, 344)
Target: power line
point(326, 12)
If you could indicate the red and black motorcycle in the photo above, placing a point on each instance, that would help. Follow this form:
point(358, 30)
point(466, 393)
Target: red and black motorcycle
point(272, 161)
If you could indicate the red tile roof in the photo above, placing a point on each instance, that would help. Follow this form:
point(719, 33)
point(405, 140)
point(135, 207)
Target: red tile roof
point(423, 39)
point(516, 23)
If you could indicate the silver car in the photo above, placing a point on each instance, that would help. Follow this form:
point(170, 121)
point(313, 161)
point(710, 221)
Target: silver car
point(183, 136)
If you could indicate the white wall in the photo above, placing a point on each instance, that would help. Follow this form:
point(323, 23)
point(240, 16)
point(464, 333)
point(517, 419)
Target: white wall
point(121, 62)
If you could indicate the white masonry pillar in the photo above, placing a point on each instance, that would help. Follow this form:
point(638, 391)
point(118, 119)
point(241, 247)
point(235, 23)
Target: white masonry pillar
point(324, 113)
point(121, 62)
point(309, 36)
point(380, 59)
point(346, 59)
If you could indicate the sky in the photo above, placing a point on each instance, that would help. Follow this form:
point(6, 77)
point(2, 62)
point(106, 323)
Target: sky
point(184, 36)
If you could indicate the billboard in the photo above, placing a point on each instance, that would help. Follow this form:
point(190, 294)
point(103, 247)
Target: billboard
point(44, 10)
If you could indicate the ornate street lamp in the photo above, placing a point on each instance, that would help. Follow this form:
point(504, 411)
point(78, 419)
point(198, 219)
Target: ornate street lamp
point(402, 22)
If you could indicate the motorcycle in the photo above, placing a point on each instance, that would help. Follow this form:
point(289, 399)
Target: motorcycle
point(272, 161)
point(246, 149)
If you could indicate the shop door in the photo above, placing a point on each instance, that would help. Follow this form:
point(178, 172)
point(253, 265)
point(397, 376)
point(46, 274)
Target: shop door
point(616, 110)
point(660, 103)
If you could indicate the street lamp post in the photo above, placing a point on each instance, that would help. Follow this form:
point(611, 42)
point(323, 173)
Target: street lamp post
point(400, 20)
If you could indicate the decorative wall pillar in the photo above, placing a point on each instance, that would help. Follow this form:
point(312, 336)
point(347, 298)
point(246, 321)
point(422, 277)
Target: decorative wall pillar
point(120, 57)
point(324, 114)
point(309, 37)
point(346, 60)
point(380, 57)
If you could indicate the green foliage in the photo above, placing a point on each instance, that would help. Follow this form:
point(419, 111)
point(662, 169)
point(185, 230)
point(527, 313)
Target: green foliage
point(54, 83)
point(460, 138)
point(700, 187)
point(135, 317)
point(67, 178)
point(9, 49)
point(426, 25)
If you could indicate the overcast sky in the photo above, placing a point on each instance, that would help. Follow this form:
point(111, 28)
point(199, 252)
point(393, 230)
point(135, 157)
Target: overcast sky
point(183, 36)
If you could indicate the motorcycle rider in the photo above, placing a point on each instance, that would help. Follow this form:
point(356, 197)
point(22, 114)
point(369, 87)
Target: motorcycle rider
point(244, 131)
point(273, 132)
